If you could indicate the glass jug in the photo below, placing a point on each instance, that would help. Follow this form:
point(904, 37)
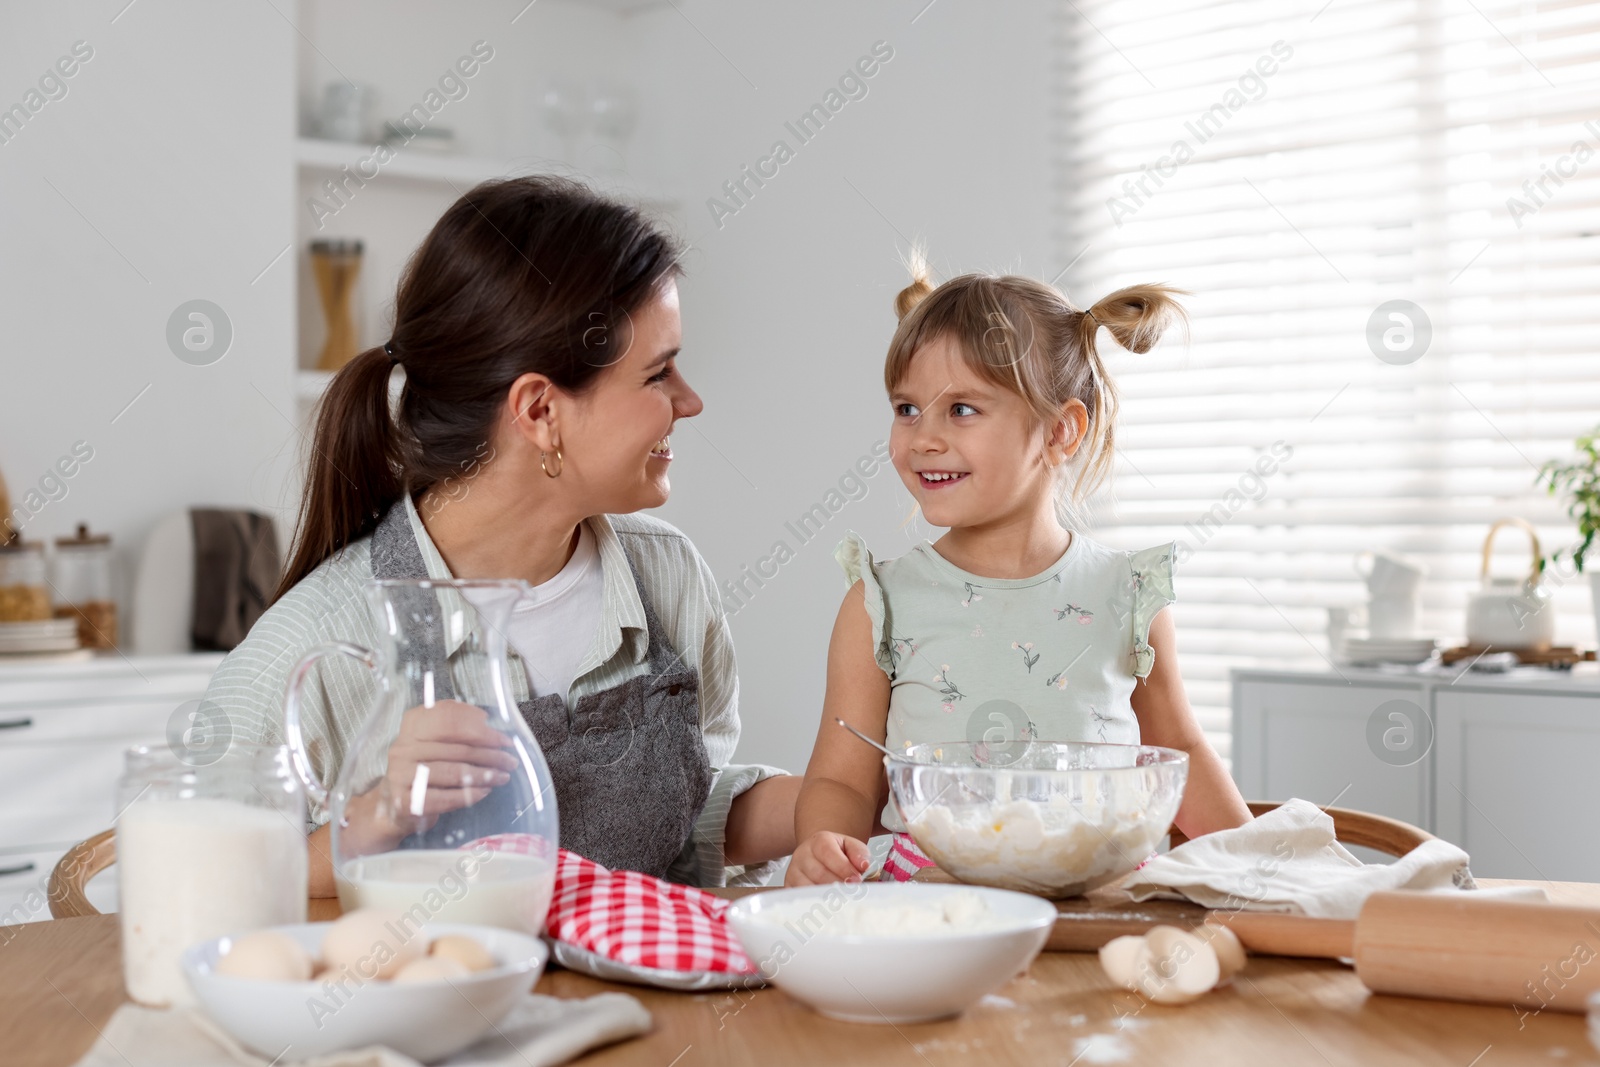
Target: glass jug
point(444, 802)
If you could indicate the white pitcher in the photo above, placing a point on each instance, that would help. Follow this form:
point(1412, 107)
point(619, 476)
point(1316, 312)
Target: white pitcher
point(1389, 576)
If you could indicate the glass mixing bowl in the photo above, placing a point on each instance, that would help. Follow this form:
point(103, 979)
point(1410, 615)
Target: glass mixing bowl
point(1053, 819)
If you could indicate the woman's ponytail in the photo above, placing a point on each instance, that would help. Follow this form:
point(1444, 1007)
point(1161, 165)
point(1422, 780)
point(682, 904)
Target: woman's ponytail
point(354, 471)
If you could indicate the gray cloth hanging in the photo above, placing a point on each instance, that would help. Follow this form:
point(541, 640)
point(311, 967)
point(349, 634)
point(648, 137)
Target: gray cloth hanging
point(236, 568)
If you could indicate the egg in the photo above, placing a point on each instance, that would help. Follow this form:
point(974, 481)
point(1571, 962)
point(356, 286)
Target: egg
point(372, 943)
point(431, 969)
point(266, 955)
point(1230, 953)
point(464, 950)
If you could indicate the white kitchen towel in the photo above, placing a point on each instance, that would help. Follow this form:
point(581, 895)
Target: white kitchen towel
point(1288, 860)
point(540, 1031)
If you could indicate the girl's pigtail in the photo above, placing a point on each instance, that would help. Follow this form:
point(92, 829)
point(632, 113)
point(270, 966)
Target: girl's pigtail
point(1136, 316)
point(921, 283)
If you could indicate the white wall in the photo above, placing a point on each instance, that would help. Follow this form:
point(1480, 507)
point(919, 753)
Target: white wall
point(162, 176)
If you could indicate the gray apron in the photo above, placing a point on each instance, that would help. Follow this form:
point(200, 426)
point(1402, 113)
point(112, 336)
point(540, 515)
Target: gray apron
point(629, 763)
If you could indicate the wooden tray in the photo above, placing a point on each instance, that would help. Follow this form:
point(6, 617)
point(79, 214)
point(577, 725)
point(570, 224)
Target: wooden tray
point(1561, 656)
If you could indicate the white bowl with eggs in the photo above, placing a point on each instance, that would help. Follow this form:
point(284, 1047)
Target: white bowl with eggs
point(437, 1010)
point(885, 952)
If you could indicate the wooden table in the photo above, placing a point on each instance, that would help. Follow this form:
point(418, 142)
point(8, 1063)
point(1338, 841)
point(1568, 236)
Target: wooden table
point(61, 980)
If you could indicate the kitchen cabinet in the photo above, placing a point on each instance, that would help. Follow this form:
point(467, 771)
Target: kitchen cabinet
point(1517, 784)
point(1297, 740)
point(63, 730)
point(1502, 765)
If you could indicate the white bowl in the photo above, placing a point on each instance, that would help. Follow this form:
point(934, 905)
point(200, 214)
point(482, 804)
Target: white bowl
point(890, 977)
point(424, 1020)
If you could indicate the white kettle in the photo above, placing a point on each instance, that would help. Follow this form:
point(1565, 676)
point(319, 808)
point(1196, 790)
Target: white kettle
point(1511, 613)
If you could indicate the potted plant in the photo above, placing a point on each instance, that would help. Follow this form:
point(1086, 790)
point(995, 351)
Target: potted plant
point(1580, 483)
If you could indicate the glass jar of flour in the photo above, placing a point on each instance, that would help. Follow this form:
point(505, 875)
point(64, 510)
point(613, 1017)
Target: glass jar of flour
point(210, 841)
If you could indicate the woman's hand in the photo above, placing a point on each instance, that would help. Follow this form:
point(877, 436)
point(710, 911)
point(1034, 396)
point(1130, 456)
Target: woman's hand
point(444, 758)
point(827, 857)
point(760, 823)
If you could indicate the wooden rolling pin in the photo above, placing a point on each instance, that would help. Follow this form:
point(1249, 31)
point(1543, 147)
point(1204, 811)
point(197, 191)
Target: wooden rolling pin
point(1447, 947)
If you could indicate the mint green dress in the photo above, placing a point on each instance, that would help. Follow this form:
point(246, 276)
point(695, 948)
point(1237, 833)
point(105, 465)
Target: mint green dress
point(1054, 657)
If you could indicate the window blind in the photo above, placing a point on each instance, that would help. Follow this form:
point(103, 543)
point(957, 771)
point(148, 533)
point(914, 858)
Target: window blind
point(1298, 167)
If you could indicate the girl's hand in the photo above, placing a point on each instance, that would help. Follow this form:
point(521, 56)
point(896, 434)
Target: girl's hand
point(827, 857)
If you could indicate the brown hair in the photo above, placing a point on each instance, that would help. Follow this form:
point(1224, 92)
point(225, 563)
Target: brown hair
point(1025, 336)
point(535, 274)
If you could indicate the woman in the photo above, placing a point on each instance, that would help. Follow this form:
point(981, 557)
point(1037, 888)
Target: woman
point(538, 330)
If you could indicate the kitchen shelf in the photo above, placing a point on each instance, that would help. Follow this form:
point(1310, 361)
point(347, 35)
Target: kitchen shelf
point(329, 156)
point(456, 171)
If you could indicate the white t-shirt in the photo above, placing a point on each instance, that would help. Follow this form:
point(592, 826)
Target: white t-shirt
point(553, 628)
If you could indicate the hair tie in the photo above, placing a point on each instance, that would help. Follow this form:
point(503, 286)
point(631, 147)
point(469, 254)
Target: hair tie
point(388, 348)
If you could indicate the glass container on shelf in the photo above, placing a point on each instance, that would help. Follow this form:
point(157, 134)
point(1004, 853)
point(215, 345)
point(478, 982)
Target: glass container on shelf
point(616, 115)
point(24, 587)
point(83, 583)
point(444, 800)
point(343, 114)
point(567, 115)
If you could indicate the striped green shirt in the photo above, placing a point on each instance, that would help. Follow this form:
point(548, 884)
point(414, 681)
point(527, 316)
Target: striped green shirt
point(329, 605)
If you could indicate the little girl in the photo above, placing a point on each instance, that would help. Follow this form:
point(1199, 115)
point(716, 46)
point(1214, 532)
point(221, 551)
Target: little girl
point(1011, 621)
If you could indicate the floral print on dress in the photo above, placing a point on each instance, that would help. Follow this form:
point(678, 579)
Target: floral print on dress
point(1150, 586)
point(972, 594)
point(1059, 679)
point(1139, 577)
point(1029, 656)
point(948, 689)
point(1083, 615)
point(1100, 719)
point(901, 646)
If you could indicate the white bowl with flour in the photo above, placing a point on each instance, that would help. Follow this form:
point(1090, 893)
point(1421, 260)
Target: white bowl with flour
point(883, 952)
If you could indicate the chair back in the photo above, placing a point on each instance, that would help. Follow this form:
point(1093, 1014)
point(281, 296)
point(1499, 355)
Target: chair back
point(1379, 832)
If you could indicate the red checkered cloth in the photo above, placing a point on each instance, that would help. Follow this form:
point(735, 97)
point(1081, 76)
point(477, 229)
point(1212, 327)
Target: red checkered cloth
point(905, 859)
point(633, 918)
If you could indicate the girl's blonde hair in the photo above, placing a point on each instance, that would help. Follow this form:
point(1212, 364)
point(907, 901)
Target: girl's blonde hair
point(1026, 336)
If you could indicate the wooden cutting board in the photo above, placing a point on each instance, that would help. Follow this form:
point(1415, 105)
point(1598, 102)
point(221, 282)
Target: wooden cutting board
point(1085, 923)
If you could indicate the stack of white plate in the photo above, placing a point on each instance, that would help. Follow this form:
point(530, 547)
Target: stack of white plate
point(32, 638)
point(1389, 649)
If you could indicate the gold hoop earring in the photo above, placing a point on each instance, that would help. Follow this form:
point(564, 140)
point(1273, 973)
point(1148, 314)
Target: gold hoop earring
point(561, 465)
